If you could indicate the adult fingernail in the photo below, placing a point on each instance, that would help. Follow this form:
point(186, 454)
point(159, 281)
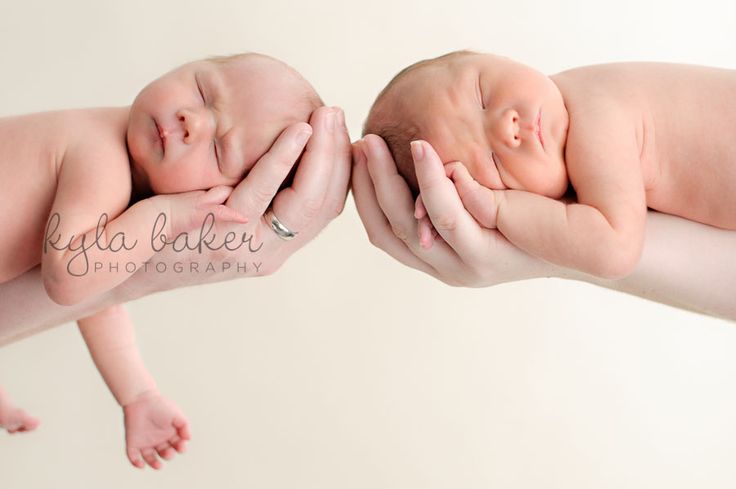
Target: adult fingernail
point(417, 150)
point(302, 137)
point(360, 158)
point(330, 121)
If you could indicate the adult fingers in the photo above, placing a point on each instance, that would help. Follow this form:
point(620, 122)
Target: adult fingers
point(256, 191)
point(396, 203)
point(337, 191)
point(374, 220)
point(391, 191)
point(377, 226)
point(445, 209)
point(298, 205)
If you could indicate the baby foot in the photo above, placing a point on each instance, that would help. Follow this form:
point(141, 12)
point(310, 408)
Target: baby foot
point(13, 419)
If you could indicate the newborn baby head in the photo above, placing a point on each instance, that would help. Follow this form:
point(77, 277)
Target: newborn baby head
point(505, 122)
point(208, 122)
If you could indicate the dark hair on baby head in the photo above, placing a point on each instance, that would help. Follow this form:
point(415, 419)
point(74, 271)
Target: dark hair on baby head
point(388, 118)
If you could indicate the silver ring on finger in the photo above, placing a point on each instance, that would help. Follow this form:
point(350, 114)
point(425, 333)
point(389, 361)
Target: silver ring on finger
point(279, 227)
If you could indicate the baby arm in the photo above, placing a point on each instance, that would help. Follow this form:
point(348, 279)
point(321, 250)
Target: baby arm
point(152, 422)
point(601, 235)
point(73, 244)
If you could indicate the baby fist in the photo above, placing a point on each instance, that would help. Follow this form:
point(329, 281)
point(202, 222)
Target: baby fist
point(480, 201)
point(187, 211)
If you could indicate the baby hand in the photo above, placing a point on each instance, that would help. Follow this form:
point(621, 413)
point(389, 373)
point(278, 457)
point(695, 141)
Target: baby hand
point(187, 211)
point(153, 424)
point(480, 201)
point(425, 229)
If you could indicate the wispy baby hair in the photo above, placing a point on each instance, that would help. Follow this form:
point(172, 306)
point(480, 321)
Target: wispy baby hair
point(387, 118)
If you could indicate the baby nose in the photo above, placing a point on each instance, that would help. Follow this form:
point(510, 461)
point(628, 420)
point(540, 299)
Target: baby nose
point(195, 125)
point(507, 128)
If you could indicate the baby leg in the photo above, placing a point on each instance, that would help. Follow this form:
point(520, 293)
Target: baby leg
point(14, 419)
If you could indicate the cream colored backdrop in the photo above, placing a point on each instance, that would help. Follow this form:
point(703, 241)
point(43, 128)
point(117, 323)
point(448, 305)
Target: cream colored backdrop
point(346, 370)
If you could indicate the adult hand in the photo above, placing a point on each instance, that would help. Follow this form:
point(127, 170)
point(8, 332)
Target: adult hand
point(316, 196)
point(684, 263)
point(467, 255)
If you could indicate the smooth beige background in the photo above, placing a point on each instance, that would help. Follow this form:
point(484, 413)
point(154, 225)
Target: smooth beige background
point(346, 370)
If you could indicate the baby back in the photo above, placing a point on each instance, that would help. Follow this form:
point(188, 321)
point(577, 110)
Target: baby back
point(684, 118)
point(31, 148)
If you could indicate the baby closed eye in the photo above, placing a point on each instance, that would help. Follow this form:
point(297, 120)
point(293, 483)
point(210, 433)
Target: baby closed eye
point(481, 99)
point(199, 89)
point(217, 153)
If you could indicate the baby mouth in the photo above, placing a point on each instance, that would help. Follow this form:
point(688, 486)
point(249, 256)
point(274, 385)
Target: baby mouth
point(161, 136)
point(538, 128)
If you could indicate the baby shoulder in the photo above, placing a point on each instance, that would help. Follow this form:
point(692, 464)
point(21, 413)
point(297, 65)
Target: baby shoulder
point(602, 128)
point(96, 163)
point(603, 148)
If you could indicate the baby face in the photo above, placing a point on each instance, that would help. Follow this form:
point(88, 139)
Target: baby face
point(506, 122)
point(206, 123)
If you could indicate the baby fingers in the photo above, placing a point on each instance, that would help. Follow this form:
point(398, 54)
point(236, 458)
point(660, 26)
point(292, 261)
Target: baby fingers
point(149, 455)
point(222, 212)
point(134, 455)
point(216, 195)
point(178, 444)
point(425, 232)
point(419, 210)
point(212, 201)
point(165, 451)
point(182, 428)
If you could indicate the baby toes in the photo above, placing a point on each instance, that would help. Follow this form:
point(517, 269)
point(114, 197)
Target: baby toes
point(18, 421)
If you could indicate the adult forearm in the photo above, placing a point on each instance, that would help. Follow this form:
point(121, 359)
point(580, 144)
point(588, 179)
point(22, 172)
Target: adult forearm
point(684, 264)
point(26, 309)
point(321, 177)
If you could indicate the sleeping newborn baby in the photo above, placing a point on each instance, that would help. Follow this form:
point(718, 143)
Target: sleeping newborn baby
point(620, 137)
point(201, 126)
